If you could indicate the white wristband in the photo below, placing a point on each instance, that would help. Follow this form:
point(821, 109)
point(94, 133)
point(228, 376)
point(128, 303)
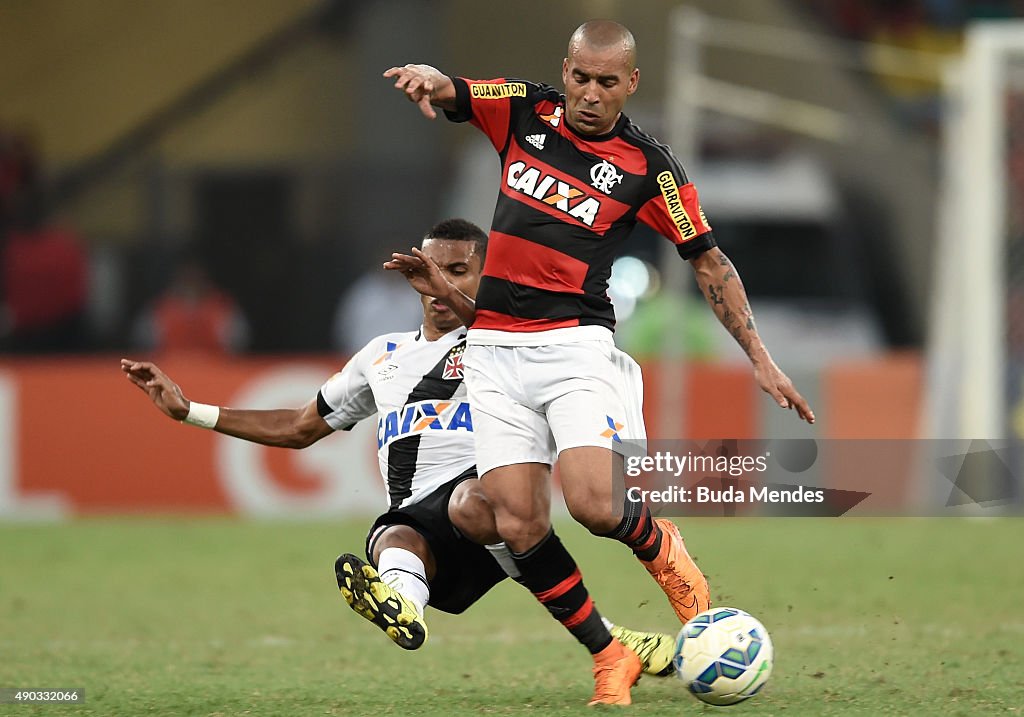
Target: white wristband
point(202, 415)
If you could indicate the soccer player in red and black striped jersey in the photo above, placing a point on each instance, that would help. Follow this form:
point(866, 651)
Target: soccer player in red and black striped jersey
point(543, 374)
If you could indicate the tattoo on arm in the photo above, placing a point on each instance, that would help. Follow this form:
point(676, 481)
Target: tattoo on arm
point(735, 329)
point(723, 260)
point(736, 317)
point(749, 313)
point(725, 294)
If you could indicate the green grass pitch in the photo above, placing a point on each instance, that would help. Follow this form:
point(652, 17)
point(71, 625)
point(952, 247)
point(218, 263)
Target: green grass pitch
point(222, 617)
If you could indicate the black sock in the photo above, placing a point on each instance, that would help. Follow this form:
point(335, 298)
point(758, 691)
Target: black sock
point(551, 575)
point(638, 530)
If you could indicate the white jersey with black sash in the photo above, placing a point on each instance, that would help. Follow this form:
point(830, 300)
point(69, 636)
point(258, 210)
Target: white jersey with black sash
point(424, 426)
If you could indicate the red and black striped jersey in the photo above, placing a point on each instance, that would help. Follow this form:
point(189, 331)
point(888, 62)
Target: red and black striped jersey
point(567, 202)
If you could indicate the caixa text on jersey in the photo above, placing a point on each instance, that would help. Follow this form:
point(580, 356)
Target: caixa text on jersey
point(423, 416)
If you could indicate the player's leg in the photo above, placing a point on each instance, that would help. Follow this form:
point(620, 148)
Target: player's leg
point(598, 410)
point(393, 595)
point(473, 517)
point(514, 452)
point(587, 486)
point(422, 554)
point(465, 569)
point(405, 562)
point(655, 650)
point(520, 497)
point(471, 514)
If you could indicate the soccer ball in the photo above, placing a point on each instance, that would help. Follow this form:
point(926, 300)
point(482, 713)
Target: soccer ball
point(724, 656)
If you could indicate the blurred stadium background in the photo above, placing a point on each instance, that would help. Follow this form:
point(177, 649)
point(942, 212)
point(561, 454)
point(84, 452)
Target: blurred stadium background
point(214, 185)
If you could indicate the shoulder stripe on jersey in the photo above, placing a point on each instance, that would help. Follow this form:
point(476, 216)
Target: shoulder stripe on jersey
point(654, 145)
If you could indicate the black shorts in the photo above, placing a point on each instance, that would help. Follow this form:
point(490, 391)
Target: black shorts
point(464, 570)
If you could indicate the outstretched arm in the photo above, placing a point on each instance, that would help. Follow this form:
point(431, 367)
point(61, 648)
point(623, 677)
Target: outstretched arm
point(724, 291)
point(424, 275)
point(426, 86)
point(286, 428)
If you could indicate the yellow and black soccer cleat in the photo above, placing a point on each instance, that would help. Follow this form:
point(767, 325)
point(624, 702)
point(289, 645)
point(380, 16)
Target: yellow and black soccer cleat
point(655, 649)
point(379, 603)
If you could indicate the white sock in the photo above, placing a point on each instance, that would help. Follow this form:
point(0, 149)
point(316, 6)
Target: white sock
point(503, 556)
point(404, 572)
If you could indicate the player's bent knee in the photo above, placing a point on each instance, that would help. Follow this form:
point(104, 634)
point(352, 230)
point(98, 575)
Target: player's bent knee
point(407, 538)
point(595, 516)
point(521, 534)
point(470, 512)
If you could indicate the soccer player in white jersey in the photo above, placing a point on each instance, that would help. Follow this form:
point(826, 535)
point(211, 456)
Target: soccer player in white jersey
point(429, 545)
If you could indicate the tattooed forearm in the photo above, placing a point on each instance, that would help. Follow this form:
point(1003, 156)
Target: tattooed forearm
point(741, 338)
point(738, 321)
point(748, 313)
point(730, 273)
point(734, 324)
point(723, 288)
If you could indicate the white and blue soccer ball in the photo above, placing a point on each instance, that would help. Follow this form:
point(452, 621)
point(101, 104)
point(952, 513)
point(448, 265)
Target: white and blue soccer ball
point(724, 656)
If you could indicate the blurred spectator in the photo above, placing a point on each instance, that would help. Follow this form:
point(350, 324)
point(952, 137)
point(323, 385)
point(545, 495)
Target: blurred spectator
point(192, 315)
point(43, 268)
point(377, 303)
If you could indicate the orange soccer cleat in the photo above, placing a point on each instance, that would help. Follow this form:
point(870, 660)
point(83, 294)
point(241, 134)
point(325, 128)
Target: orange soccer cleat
point(674, 570)
point(616, 670)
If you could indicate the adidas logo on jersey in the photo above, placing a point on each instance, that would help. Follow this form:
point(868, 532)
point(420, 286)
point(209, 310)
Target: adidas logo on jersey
point(537, 140)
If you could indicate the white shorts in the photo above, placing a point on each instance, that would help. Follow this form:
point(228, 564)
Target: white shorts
point(530, 403)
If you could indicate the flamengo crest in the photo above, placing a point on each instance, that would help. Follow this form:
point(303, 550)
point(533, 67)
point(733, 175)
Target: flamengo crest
point(603, 177)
